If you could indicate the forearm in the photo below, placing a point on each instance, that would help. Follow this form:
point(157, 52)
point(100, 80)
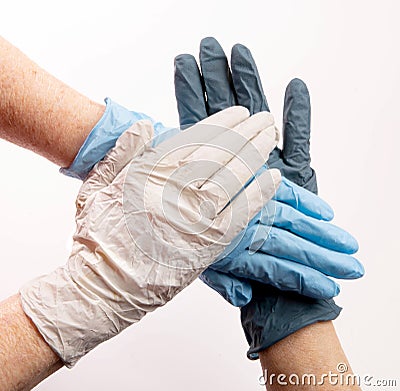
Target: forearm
point(25, 358)
point(314, 350)
point(39, 112)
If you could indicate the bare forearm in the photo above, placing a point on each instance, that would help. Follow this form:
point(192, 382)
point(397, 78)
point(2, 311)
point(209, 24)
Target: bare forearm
point(25, 358)
point(313, 350)
point(39, 112)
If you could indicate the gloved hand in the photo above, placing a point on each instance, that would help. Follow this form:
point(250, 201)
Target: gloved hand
point(117, 119)
point(288, 249)
point(149, 221)
point(201, 94)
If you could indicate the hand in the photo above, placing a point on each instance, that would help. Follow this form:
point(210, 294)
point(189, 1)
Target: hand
point(149, 221)
point(200, 94)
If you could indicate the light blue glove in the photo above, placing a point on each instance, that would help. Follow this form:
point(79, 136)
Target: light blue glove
point(296, 258)
point(289, 245)
point(115, 120)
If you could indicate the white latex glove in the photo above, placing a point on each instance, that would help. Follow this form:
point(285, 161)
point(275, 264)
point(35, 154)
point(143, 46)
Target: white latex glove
point(149, 221)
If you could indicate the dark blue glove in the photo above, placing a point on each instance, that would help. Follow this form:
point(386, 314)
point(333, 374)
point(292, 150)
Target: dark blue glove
point(271, 315)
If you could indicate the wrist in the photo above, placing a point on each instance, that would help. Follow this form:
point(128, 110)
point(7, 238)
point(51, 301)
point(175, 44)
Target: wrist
point(114, 121)
point(69, 313)
point(25, 357)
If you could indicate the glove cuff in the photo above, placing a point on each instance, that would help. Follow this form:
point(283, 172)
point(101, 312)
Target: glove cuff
point(115, 120)
point(273, 315)
point(70, 314)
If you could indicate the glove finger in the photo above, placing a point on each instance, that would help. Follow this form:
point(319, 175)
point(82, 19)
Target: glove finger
point(246, 80)
point(322, 233)
point(189, 91)
point(280, 273)
point(128, 145)
point(303, 200)
point(233, 177)
point(249, 202)
point(205, 139)
point(248, 86)
point(216, 75)
point(234, 290)
point(283, 244)
point(296, 126)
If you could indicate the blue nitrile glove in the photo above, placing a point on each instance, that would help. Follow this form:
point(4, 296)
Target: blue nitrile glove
point(290, 246)
point(115, 120)
point(271, 314)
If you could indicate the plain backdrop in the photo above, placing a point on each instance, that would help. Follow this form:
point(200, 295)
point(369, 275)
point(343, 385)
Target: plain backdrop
point(346, 51)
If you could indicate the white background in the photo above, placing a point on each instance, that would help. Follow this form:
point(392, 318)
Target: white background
point(346, 51)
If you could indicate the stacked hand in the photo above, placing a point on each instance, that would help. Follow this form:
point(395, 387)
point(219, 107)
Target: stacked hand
point(149, 221)
point(165, 205)
point(302, 248)
point(270, 314)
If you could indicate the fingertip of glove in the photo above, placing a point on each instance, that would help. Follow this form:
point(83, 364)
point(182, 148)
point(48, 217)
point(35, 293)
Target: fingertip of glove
point(350, 244)
point(243, 52)
point(182, 59)
point(297, 86)
point(265, 120)
point(210, 50)
point(297, 83)
point(208, 42)
point(329, 214)
point(360, 270)
point(325, 211)
point(239, 110)
point(352, 270)
point(330, 293)
point(240, 48)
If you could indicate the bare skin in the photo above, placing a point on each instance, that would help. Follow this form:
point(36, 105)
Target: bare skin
point(315, 350)
point(25, 357)
point(40, 113)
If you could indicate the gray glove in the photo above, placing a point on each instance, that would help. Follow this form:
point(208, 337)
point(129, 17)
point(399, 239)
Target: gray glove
point(271, 315)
